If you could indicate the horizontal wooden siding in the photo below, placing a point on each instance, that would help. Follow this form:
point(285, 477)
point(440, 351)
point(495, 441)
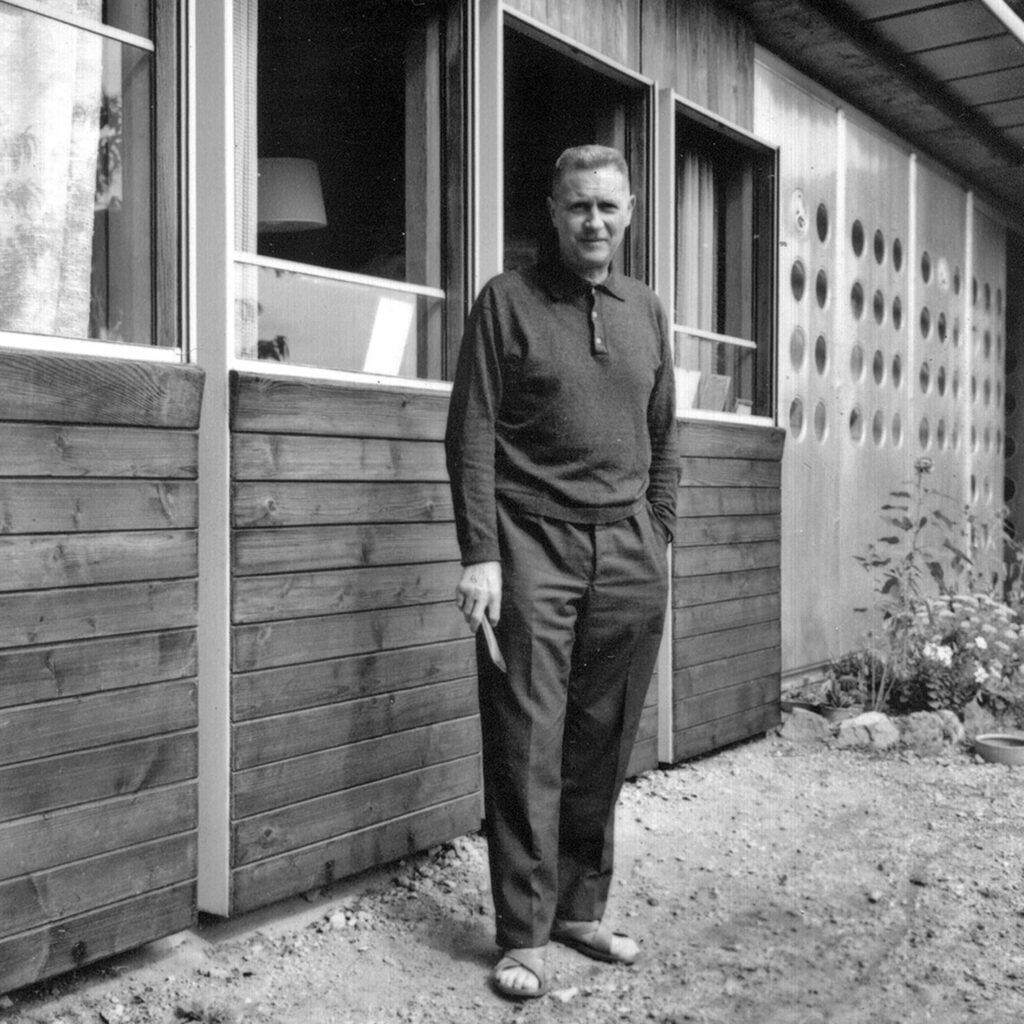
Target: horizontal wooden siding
point(98, 616)
point(726, 586)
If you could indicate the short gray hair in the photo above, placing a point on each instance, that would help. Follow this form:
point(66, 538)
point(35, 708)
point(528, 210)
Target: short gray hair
point(588, 158)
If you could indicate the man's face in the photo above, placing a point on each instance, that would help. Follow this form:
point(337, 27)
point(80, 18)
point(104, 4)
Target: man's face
point(591, 211)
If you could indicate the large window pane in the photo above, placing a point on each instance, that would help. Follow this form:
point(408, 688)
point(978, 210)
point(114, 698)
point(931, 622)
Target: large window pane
point(128, 15)
point(317, 320)
point(341, 145)
point(76, 181)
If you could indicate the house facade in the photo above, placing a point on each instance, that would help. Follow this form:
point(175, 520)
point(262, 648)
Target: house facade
point(238, 241)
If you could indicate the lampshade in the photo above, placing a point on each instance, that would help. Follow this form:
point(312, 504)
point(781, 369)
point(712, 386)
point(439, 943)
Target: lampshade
point(289, 197)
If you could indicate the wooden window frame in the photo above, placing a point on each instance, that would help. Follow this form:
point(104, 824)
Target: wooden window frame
point(167, 190)
point(763, 231)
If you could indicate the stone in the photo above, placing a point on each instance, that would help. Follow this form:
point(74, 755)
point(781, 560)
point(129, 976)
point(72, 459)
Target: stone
point(923, 732)
point(952, 727)
point(872, 729)
point(802, 726)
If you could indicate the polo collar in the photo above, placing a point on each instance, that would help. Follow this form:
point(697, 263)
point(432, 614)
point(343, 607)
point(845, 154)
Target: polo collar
point(562, 283)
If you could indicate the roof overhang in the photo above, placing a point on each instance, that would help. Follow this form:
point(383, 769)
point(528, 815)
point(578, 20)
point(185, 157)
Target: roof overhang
point(947, 76)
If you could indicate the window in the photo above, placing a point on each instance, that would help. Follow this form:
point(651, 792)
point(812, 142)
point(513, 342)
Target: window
point(724, 278)
point(89, 233)
point(349, 183)
point(554, 100)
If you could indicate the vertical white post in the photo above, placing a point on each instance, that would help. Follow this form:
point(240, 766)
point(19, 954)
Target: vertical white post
point(213, 205)
point(487, 254)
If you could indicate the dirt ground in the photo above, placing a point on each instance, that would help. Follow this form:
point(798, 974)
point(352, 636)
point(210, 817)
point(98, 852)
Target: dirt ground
point(768, 883)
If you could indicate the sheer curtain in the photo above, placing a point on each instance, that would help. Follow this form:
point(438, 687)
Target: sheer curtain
point(51, 81)
point(696, 262)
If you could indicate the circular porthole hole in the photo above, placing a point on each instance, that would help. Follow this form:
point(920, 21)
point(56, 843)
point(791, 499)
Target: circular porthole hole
point(897, 370)
point(821, 220)
point(821, 288)
point(926, 322)
point(798, 280)
point(958, 281)
point(925, 378)
point(926, 267)
point(856, 362)
point(857, 300)
point(878, 428)
point(897, 313)
point(856, 425)
point(924, 433)
point(879, 247)
point(820, 421)
point(857, 238)
point(878, 367)
point(940, 435)
point(821, 353)
point(897, 429)
point(986, 346)
point(796, 418)
point(940, 380)
point(897, 254)
point(878, 307)
point(987, 292)
point(797, 348)
point(941, 328)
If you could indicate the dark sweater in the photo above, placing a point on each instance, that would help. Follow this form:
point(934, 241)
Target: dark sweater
point(563, 405)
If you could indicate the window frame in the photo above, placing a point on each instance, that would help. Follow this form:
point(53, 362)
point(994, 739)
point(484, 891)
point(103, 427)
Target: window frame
point(672, 106)
point(167, 189)
point(453, 248)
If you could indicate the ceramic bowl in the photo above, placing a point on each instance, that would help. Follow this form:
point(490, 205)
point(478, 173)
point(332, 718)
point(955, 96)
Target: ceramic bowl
point(1001, 747)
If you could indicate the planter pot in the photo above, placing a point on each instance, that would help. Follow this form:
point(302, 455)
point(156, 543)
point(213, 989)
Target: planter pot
point(1001, 747)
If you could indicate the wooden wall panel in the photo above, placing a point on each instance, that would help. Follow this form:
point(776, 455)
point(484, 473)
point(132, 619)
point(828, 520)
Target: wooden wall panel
point(354, 676)
point(704, 51)
point(726, 597)
point(98, 721)
point(611, 27)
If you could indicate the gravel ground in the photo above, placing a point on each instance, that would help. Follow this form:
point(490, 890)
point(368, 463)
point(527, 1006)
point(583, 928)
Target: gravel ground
point(768, 883)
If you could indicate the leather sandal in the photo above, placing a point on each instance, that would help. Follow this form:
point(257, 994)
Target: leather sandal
point(596, 940)
point(531, 960)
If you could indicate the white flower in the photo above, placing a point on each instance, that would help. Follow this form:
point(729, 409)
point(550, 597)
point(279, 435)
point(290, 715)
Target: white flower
point(980, 675)
point(981, 643)
point(939, 653)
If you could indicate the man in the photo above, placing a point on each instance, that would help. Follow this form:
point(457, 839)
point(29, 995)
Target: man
point(562, 458)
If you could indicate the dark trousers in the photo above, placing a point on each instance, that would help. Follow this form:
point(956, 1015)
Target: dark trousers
point(581, 621)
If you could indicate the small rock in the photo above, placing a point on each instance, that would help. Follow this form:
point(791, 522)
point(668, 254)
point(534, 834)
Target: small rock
point(566, 995)
point(805, 727)
point(924, 732)
point(872, 729)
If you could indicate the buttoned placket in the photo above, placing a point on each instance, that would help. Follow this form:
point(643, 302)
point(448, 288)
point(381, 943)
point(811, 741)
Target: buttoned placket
point(598, 337)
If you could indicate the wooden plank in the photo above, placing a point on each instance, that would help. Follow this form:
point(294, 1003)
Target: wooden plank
point(46, 840)
point(335, 409)
point(706, 736)
point(726, 701)
point(689, 681)
point(74, 942)
point(96, 720)
point(35, 787)
point(708, 618)
point(284, 595)
point(762, 636)
point(64, 670)
point(53, 616)
point(696, 471)
point(305, 548)
point(704, 439)
point(265, 740)
point(728, 501)
point(291, 688)
point(40, 387)
point(270, 644)
point(328, 771)
point(48, 449)
point(291, 457)
point(722, 558)
point(312, 821)
point(76, 560)
point(33, 901)
point(707, 530)
point(727, 586)
point(276, 503)
point(322, 864)
point(54, 506)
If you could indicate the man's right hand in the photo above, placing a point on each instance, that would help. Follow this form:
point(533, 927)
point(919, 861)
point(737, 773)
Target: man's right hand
point(479, 593)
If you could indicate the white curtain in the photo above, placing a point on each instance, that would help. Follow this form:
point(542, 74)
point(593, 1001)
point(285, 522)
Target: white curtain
point(245, 13)
point(51, 83)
